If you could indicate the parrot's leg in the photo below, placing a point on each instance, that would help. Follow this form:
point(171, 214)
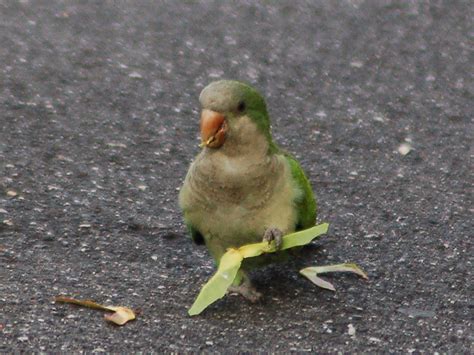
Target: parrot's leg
point(243, 286)
point(273, 234)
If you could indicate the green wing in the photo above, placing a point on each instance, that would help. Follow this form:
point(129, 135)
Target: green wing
point(306, 203)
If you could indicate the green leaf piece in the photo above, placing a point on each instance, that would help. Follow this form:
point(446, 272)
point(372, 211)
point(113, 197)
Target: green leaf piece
point(230, 263)
point(217, 286)
point(253, 250)
point(317, 280)
point(312, 272)
point(346, 267)
point(303, 237)
point(289, 241)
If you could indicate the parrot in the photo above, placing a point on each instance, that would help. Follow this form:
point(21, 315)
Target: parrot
point(242, 188)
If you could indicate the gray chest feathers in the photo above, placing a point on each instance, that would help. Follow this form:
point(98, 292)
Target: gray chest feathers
point(220, 181)
point(237, 199)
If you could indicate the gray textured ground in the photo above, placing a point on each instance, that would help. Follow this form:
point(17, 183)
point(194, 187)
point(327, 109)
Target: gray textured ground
point(99, 112)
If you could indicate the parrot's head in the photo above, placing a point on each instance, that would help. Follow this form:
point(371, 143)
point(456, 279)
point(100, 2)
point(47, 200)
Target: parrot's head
point(228, 109)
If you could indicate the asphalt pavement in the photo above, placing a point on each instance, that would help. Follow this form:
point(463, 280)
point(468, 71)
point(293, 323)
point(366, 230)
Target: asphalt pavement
point(99, 122)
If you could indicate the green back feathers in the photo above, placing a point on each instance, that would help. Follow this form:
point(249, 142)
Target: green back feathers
point(305, 203)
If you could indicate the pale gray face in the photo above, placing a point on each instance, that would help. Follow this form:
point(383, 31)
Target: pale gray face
point(224, 96)
point(225, 103)
point(233, 98)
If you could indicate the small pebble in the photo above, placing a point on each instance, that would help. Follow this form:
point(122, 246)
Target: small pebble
point(135, 75)
point(351, 330)
point(11, 193)
point(23, 338)
point(404, 148)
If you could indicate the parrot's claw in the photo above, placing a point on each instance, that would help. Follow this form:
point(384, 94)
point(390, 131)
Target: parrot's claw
point(247, 291)
point(273, 234)
point(245, 288)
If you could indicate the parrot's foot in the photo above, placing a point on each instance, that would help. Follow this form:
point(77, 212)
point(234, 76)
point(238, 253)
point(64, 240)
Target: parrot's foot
point(246, 289)
point(274, 234)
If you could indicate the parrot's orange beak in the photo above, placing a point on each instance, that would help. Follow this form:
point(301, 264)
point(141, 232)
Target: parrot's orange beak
point(213, 129)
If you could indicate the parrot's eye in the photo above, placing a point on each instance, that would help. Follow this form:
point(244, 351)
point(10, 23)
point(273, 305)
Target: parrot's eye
point(241, 107)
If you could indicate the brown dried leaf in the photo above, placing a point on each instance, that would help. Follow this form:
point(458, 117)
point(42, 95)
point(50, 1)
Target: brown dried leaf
point(120, 315)
point(83, 303)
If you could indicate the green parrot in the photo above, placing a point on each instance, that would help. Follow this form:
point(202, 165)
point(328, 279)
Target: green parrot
point(242, 188)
